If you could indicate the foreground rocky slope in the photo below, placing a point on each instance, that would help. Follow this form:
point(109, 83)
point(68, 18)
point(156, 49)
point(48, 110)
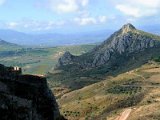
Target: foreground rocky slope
point(25, 97)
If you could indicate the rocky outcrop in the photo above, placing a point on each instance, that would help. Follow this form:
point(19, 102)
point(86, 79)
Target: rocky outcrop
point(25, 97)
point(65, 59)
point(126, 41)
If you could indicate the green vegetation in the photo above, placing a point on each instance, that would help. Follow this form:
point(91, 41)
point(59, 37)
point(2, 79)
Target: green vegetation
point(118, 89)
point(71, 113)
point(75, 78)
point(37, 60)
point(5, 46)
point(156, 59)
point(153, 36)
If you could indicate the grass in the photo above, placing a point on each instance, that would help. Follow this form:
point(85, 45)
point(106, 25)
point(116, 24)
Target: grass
point(5, 46)
point(107, 98)
point(153, 36)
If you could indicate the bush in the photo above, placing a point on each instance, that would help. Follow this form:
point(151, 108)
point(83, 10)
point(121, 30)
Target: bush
point(124, 89)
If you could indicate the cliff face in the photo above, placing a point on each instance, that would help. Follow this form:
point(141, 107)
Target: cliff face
point(126, 41)
point(25, 97)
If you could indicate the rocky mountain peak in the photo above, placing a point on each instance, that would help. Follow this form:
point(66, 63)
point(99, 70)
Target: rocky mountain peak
point(128, 40)
point(127, 28)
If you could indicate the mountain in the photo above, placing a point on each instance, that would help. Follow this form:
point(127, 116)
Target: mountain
point(2, 42)
point(6, 46)
point(15, 37)
point(53, 39)
point(124, 50)
point(124, 42)
point(25, 97)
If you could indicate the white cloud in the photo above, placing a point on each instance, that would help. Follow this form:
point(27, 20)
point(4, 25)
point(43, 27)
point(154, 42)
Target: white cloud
point(87, 20)
point(84, 2)
point(67, 6)
point(2, 2)
point(33, 25)
point(102, 19)
point(139, 8)
point(128, 10)
point(11, 25)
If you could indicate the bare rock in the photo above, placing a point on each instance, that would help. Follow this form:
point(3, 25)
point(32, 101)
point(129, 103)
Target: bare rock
point(66, 59)
point(25, 97)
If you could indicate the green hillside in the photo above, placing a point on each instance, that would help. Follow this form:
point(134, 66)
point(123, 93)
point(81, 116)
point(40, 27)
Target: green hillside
point(37, 60)
point(6, 46)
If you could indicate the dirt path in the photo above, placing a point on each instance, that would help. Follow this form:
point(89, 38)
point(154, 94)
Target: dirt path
point(125, 114)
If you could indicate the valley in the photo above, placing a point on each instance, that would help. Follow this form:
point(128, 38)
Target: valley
point(115, 80)
point(37, 60)
point(80, 60)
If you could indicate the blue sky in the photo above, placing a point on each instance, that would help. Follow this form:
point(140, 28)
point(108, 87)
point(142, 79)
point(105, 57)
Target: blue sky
point(76, 15)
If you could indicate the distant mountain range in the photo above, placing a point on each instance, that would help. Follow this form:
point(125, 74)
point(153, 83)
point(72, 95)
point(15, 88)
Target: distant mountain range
point(52, 39)
point(155, 29)
point(2, 42)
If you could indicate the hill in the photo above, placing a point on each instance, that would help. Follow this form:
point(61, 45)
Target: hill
point(133, 95)
point(6, 46)
point(126, 49)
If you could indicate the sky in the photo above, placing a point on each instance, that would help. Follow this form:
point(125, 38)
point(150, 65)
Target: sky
point(69, 16)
